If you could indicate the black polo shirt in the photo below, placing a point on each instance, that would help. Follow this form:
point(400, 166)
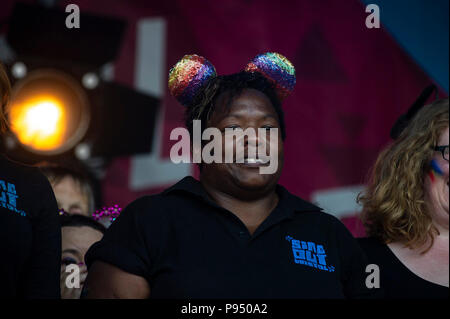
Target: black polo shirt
point(186, 246)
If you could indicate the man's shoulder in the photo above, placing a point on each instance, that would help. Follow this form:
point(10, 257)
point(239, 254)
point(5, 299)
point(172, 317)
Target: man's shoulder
point(154, 205)
point(372, 245)
point(320, 218)
point(148, 203)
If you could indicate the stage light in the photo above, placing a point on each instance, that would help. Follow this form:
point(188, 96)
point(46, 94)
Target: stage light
point(39, 123)
point(56, 71)
point(48, 112)
point(90, 81)
point(83, 151)
point(19, 70)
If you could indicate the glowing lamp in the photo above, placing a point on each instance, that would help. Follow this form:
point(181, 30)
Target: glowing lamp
point(48, 113)
point(39, 124)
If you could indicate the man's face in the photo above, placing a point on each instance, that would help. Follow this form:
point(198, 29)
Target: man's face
point(70, 197)
point(252, 109)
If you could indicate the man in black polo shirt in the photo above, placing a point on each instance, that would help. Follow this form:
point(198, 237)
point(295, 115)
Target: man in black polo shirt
point(233, 234)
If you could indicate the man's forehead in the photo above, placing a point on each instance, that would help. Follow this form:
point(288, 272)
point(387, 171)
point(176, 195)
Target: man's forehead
point(229, 97)
point(239, 106)
point(71, 184)
point(80, 234)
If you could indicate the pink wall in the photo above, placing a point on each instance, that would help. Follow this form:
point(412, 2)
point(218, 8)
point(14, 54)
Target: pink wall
point(352, 82)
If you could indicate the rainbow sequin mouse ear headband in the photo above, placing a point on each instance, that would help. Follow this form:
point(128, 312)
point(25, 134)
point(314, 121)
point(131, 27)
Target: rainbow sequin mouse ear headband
point(189, 75)
point(277, 69)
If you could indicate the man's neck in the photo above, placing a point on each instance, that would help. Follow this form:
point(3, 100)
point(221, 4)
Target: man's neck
point(251, 212)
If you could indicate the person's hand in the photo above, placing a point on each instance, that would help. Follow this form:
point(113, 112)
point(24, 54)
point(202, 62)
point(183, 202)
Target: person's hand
point(72, 293)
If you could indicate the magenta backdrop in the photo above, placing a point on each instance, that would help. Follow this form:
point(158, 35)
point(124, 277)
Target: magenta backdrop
point(352, 82)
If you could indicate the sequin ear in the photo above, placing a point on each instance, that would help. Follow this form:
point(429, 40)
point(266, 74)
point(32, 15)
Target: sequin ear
point(188, 77)
point(277, 69)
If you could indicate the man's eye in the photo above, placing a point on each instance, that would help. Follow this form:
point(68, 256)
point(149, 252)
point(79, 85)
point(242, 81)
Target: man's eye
point(67, 261)
point(231, 127)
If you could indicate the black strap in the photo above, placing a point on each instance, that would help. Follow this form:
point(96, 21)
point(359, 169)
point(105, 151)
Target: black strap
point(404, 119)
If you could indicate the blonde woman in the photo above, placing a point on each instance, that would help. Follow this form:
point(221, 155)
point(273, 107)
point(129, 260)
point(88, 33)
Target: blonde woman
point(405, 209)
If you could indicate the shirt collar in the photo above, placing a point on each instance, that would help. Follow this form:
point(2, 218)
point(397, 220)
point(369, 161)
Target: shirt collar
point(288, 202)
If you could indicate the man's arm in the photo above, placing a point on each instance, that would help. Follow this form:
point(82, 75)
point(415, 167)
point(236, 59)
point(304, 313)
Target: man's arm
point(105, 281)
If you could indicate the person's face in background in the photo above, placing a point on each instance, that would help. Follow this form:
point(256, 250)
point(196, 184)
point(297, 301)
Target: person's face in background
point(76, 241)
point(436, 189)
point(71, 197)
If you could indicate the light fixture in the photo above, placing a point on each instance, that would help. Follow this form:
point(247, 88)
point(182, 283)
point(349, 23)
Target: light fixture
point(19, 70)
point(49, 112)
point(90, 80)
point(61, 108)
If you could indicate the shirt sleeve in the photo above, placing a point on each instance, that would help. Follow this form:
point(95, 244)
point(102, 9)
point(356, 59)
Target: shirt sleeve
point(43, 275)
point(354, 263)
point(123, 244)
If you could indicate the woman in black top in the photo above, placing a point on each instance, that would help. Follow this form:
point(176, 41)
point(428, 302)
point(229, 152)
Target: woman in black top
point(30, 236)
point(235, 233)
point(406, 209)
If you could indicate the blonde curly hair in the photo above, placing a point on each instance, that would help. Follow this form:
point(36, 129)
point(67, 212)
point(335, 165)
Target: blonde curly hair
point(394, 207)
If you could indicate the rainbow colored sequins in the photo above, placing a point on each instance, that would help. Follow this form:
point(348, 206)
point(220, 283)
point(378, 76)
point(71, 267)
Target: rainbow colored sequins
point(277, 69)
point(188, 76)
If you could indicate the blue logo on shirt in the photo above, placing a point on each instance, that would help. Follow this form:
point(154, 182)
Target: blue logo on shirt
point(309, 254)
point(8, 197)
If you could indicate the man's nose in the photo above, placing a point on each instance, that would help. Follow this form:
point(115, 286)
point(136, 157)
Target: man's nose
point(253, 139)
